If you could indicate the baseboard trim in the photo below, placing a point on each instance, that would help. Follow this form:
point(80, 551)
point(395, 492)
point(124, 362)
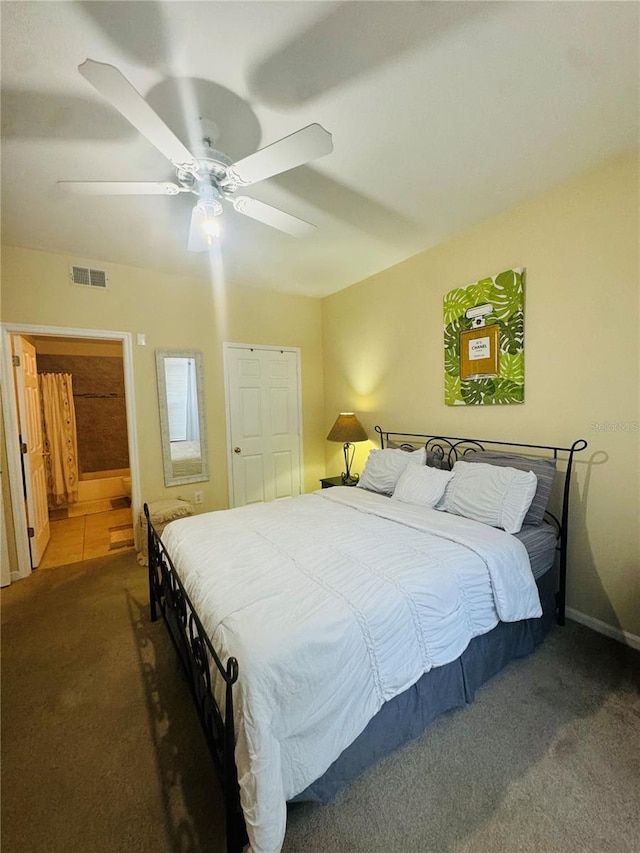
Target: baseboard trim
point(625, 637)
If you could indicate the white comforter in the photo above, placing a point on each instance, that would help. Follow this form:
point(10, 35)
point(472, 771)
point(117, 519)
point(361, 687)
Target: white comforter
point(333, 603)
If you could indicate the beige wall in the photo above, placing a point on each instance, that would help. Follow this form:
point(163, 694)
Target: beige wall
point(174, 313)
point(383, 347)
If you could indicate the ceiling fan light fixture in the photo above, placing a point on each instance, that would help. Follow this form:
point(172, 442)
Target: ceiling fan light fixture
point(211, 228)
point(210, 210)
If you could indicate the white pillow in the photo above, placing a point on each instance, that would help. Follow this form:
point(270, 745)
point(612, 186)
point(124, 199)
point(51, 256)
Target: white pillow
point(493, 495)
point(384, 467)
point(421, 485)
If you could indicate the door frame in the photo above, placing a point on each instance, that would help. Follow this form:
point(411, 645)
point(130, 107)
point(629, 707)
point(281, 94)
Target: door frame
point(226, 347)
point(10, 409)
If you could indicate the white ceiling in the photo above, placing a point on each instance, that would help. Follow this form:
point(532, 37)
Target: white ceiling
point(442, 114)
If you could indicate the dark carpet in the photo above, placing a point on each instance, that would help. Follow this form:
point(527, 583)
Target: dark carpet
point(102, 751)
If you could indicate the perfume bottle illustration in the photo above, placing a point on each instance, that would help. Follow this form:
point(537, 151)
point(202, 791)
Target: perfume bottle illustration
point(479, 345)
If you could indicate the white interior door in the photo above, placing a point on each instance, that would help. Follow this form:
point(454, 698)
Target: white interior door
point(30, 423)
point(264, 423)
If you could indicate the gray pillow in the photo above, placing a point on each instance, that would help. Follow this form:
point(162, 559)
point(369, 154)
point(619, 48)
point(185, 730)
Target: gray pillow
point(434, 460)
point(544, 469)
point(409, 446)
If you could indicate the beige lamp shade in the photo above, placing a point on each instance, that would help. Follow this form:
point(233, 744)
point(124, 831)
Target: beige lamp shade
point(347, 428)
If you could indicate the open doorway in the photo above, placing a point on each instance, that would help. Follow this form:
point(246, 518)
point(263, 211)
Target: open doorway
point(93, 516)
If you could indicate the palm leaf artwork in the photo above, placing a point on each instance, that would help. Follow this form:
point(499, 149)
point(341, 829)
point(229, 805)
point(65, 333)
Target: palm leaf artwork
point(478, 391)
point(456, 303)
point(480, 291)
point(453, 391)
point(507, 392)
point(512, 367)
point(512, 334)
point(503, 296)
point(452, 345)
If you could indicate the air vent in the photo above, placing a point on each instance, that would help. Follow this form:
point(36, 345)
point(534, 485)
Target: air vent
point(88, 277)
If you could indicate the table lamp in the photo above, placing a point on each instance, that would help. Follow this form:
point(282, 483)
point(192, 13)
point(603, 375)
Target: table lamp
point(347, 429)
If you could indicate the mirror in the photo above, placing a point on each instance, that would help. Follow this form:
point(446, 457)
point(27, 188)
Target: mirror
point(182, 419)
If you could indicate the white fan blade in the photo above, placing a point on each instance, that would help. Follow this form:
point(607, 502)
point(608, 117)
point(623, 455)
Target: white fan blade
point(199, 241)
point(272, 216)
point(121, 187)
point(300, 147)
point(115, 87)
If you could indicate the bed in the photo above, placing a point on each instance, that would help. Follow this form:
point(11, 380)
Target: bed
point(322, 632)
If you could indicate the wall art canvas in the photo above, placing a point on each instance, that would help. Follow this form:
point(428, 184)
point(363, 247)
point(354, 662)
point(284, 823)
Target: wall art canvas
point(484, 341)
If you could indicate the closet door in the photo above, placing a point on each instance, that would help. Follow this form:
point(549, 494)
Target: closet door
point(264, 423)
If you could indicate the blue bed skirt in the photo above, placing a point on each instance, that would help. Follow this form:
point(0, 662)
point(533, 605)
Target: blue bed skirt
point(406, 716)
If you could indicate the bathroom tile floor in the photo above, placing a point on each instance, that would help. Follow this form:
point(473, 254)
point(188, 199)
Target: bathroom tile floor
point(89, 507)
point(88, 536)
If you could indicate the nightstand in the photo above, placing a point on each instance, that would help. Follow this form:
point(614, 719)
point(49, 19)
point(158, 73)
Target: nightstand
point(327, 482)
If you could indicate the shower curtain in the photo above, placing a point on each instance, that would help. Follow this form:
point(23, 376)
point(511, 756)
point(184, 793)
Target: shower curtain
point(60, 439)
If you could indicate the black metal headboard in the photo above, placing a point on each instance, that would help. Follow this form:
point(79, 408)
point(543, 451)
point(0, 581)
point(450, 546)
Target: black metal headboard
point(450, 449)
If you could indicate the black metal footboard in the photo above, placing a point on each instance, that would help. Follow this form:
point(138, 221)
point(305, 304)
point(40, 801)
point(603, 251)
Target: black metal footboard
point(198, 657)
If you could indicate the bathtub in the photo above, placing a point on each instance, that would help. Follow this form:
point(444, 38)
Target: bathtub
point(102, 484)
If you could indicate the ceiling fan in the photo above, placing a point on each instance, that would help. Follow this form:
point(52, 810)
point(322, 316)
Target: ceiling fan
point(212, 176)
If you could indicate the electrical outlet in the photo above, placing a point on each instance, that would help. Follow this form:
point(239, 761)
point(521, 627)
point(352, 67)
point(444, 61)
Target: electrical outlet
point(197, 497)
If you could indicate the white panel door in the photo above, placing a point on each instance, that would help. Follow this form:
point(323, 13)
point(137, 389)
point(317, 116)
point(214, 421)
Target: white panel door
point(30, 422)
point(263, 409)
